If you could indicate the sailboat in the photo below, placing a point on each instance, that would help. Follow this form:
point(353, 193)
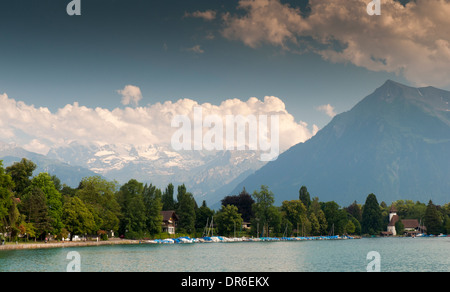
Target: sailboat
point(420, 229)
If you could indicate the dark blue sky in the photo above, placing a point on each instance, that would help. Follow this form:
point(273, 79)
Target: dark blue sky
point(51, 59)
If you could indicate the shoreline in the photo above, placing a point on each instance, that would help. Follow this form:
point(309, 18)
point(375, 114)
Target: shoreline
point(71, 244)
point(66, 244)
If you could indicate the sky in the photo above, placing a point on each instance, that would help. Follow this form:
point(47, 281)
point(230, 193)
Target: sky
point(125, 64)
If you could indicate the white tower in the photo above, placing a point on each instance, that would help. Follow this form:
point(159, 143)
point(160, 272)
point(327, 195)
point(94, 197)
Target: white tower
point(393, 218)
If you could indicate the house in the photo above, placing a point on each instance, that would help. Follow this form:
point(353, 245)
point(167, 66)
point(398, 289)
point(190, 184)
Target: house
point(170, 221)
point(246, 225)
point(411, 226)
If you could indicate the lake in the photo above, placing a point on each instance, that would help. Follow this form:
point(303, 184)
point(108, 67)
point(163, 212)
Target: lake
point(396, 255)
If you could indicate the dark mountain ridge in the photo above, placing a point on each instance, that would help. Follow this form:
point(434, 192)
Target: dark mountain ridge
point(395, 143)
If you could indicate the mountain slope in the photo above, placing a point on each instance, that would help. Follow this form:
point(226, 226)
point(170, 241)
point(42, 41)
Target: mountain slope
point(68, 174)
point(394, 143)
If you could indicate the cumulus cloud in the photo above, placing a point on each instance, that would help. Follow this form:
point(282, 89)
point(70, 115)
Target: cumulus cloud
point(328, 109)
point(38, 129)
point(130, 95)
point(411, 40)
point(207, 15)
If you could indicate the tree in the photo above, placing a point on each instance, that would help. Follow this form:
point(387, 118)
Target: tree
point(265, 213)
point(153, 204)
point(77, 217)
point(34, 207)
point(399, 227)
point(432, 219)
point(186, 210)
point(447, 224)
point(44, 182)
point(167, 199)
point(304, 196)
point(335, 217)
point(355, 210)
point(295, 212)
point(133, 213)
point(371, 216)
point(315, 225)
point(9, 213)
point(202, 216)
point(228, 220)
point(407, 209)
point(27, 229)
point(57, 183)
point(350, 227)
point(243, 202)
point(316, 209)
point(99, 196)
point(20, 173)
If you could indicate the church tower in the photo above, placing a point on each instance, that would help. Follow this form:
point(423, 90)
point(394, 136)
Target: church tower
point(392, 212)
point(393, 218)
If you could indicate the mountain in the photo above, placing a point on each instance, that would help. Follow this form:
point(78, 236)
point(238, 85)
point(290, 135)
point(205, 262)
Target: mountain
point(395, 143)
point(205, 173)
point(68, 174)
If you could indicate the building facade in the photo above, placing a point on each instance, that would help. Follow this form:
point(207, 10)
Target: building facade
point(170, 220)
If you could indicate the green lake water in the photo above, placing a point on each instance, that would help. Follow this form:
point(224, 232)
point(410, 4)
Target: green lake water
point(396, 255)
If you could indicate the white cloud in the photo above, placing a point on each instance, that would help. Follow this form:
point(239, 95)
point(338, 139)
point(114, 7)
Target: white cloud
point(130, 95)
point(38, 129)
point(207, 15)
point(196, 49)
point(327, 109)
point(412, 40)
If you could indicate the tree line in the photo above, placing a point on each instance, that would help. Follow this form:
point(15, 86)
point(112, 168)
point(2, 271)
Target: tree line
point(35, 208)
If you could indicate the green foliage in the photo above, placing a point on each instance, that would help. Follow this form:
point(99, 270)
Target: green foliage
point(35, 208)
point(77, 217)
point(202, 216)
point(355, 211)
point(336, 217)
point(41, 205)
point(153, 204)
point(266, 215)
point(304, 196)
point(167, 198)
point(186, 210)
point(21, 172)
point(133, 214)
point(6, 198)
point(407, 209)
point(399, 227)
point(350, 227)
point(243, 202)
point(315, 209)
point(228, 220)
point(44, 182)
point(433, 219)
point(296, 214)
point(371, 216)
point(99, 196)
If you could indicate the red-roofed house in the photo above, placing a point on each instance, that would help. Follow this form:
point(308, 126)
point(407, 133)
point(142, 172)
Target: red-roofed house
point(411, 226)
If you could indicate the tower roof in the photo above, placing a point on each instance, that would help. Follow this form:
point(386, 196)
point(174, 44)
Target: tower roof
point(393, 209)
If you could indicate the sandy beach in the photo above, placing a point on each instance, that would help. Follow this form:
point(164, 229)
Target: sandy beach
point(65, 244)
